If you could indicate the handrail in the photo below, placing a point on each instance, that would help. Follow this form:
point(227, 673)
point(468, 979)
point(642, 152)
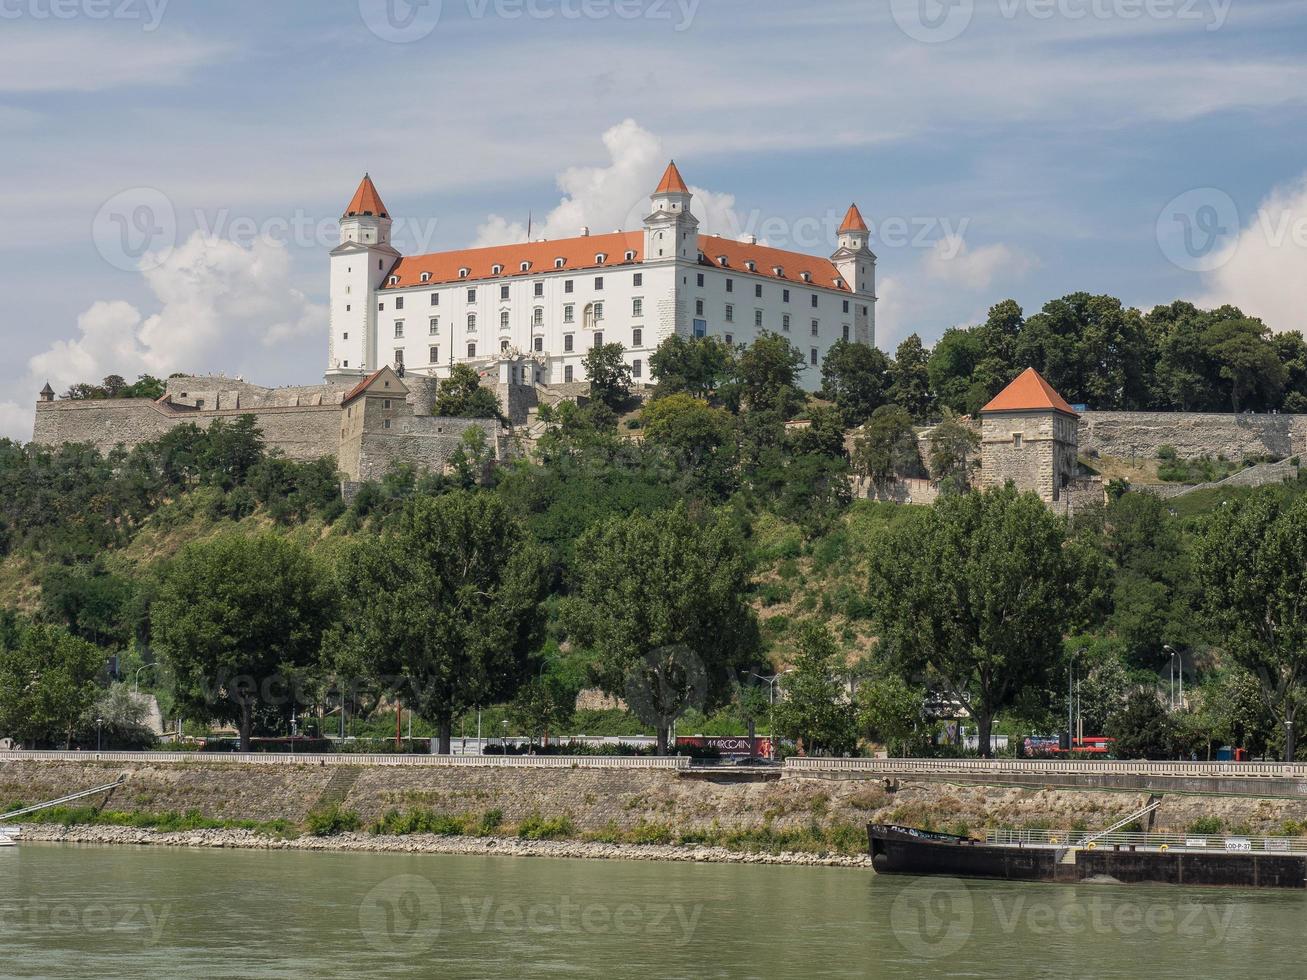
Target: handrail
point(1187, 841)
point(1051, 767)
point(675, 762)
point(64, 799)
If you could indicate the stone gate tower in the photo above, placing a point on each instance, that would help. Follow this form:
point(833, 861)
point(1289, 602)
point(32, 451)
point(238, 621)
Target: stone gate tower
point(1028, 435)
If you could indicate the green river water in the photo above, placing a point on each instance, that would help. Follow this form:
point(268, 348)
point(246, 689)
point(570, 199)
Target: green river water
point(70, 911)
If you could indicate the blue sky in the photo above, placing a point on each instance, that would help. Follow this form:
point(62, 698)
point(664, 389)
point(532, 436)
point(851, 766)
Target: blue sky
point(1021, 148)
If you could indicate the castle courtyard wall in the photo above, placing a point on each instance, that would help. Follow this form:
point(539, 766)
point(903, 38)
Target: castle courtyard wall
point(1139, 435)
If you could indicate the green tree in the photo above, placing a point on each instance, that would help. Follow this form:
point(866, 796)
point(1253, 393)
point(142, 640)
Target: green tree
point(910, 378)
point(953, 364)
point(696, 366)
point(445, 607)
point(462, 396)
point(977, 591)
point(815, 710)
point(855, 377)
point(767, 372)
point(953, 449)
point(886, 447)
point(1142, 728)
point(892, 711)
point(693, 434)
point(238, 623)
point(661, 602)
point(542, 705)
point(609, 374)
point(1248, 363)
point(47, 682)
point(1252, 577)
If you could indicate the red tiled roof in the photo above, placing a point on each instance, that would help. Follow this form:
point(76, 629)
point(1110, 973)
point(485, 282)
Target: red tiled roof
point(672, 182)
point(1028, 392)
point(366, 200)
point(853, 220)
point(579, 254)
point(359, 388)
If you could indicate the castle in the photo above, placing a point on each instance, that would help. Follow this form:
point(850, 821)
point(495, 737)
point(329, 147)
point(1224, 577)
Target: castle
point(551, 301)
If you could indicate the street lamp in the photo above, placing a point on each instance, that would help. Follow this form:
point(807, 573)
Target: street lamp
point(771, 712)
point(1070, 702)
point(98, 741)
point(136, 683)
point(503, 739)
point(1174, 654)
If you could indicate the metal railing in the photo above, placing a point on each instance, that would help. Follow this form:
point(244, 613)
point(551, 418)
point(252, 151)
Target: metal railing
point(675, 762)
point(1068, 767)
point(1225, 842)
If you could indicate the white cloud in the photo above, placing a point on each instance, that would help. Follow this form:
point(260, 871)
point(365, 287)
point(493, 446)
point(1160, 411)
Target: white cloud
point(219, 302)
point(91, 61)
point(16, 421)
point(953, 261)
point(615, 196)
point(1265, 268)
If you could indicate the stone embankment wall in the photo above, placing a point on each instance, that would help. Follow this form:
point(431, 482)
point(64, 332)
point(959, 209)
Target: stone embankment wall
point(1140, 434)
point(600, 799)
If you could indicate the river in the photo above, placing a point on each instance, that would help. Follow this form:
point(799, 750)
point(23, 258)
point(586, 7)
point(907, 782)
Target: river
point(82, 911)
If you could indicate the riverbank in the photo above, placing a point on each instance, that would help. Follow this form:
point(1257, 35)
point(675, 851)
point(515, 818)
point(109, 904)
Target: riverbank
point(432, 844)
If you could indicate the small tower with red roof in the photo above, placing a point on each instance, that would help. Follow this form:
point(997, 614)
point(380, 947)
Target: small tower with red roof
point(359, 267)
point(857, 267)
point(1029, 438)
point(671, 232)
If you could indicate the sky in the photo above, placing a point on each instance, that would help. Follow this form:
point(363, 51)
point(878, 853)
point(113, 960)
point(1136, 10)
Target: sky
point(171, 171)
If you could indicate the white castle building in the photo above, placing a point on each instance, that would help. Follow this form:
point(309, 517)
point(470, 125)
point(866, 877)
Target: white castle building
point(541, 305)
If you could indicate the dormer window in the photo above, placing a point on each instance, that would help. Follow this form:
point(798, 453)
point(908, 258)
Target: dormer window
point(426, 277)
point(839, 283)
point(630, 256)
point(778, 270)
point(394, 280)
point(559, 263)
point(496, 269)
point(807, 276)
point(601, 258)
point(751, 266)
point(464, 273)
point(721, 260)
point(525, 267)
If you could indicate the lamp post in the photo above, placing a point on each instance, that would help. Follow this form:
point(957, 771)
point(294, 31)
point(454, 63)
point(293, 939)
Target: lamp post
point(1174, 655)
point(1070, 702)
point(99, 742)
point(136, 683)
point(771, 712)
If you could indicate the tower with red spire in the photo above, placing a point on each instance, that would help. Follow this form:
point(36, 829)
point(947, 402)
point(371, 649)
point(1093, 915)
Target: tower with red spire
point(857, 266)
point(359, 266)
point(671, 232)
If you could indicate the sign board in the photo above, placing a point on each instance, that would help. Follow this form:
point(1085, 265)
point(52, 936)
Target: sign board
point(730, 746)
point(1238, 844)
point(1195, 842)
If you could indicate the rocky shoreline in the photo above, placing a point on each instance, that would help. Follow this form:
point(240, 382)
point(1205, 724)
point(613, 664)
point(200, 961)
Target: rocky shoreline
point(432, 844)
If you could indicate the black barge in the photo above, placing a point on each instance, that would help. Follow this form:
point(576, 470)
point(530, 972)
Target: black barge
point(1127, 858)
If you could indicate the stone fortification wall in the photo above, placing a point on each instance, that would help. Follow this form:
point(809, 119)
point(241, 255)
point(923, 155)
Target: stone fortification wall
point(427, 442)
point(219, 392)
point(1140, 434)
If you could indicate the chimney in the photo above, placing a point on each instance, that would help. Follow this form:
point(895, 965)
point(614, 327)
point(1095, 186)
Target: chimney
point(585, 231)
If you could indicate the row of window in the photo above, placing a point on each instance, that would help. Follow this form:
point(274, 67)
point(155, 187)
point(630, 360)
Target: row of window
point(815, 300)
point(637, 366)
point(569, 286)
point(594, 313)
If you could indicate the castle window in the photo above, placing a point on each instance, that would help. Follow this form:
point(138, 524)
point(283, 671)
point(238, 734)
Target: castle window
point(434, 327)
point(814, 328)
point(471, 323)
point(345, 364)
point(345, 336)
point(757, 320)
point(559, 263)
point(630, 256)
point(638, 280)
point(806, 276)
point(567, 374)
point(539, 344)
point(730, 313)
point(594, 312)
point(757, 290)
point(472, 295)
point(385, 424)
point(399, 302)
point(567, 285)
point(496, 269)
point(385, 403)
point(568, 343)
point(599, 283)
point(752, 266)
point(503, 319)
point(598, 340)
point(778, 270)
point(539, 289)
point(814, 301)
point(785, 323)
point(637, 337)
point(399, 329)
point(839, 284)
point(730, 285)
point(503, 292)
point(862, 310)
point(434, 355)
point(381, 307)
point(730, 340)
point(698, 307)
point(1016, 440)
point(785, 295)
point(426, 277)
point(699, 278)
point(846, 331)
point(721, 260)
point(601, 258)
point(399, 359)
point(569, 313)
point(503, 347)
point(394, 280)
point(846, 306)
point(346, 307)
point(812, 356)
point(464, 273)
point(525, 266)
point(471, 350)
point(538, 317)
point(435, 299)
point(199, 402)
point(637, 369)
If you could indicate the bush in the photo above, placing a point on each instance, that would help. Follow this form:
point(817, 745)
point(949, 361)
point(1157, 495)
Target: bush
point(536, 827)
point(331, 821)
point(1167, 453)
point(1206, 825)
point(420, 820)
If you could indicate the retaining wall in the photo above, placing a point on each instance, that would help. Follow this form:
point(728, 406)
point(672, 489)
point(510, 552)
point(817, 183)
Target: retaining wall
point(1192, 434)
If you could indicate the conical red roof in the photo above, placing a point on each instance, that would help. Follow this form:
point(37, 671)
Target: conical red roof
point(672, 183)
point(853, 220)
point(1029, 392)
point(366, 201)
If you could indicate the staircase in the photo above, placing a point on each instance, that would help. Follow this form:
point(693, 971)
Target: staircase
point(338, 786)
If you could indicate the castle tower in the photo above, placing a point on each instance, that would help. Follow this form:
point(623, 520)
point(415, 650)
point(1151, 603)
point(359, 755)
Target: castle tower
point(1028, 436)
point(359, 265)
point(857, 265)
point(671, 232)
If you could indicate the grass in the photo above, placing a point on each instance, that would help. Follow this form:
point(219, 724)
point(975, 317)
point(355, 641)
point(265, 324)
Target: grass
point(332, 821)
point(169, 821)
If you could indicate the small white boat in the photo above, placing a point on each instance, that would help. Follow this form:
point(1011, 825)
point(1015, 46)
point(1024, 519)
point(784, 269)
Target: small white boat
point(9, 836)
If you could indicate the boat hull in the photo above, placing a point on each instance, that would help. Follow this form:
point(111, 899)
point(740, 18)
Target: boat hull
point(905, 850)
